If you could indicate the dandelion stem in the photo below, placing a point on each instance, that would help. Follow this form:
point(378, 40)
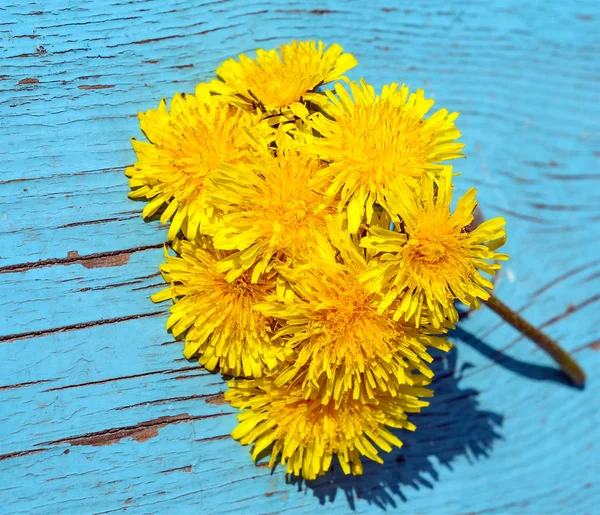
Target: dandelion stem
point(566, 362)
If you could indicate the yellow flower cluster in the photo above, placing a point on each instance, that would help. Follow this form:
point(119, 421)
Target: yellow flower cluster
point(317, 259)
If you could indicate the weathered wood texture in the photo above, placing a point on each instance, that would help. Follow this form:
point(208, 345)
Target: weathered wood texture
point(99, 412)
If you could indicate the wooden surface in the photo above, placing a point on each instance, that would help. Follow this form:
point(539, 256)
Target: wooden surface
point(99, 412)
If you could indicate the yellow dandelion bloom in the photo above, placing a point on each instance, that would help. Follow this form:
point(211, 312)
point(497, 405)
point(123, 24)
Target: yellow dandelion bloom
point(373, 143)
point(278, 79)
point(305, 435)
point(271, 209)
point(199, 134)
point(217, 317)
point(343, 344)
point(434, 260)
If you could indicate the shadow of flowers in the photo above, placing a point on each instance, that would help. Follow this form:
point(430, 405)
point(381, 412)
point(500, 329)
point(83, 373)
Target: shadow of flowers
point(451, 427)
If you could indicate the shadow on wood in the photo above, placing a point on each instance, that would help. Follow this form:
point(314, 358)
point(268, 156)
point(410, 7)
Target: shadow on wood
point(452, 426)
point(522, 368)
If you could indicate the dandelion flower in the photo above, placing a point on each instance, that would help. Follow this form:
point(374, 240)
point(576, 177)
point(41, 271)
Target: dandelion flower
point(275, 80)
point(435, 260)
point(217, 317)
point(304, 435)
point(343, 344)
point(272, 208)
point(199, 134)
point(373, 143)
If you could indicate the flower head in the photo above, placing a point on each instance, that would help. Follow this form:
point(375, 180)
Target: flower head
point(343, 345)
point(217, 317)
point(434, 259)
point(197, 136)
point(373, 143)
point(272, 207)
point(305, 435)
point(275, 80)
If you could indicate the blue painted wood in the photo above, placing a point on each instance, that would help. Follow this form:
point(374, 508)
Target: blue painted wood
point(99, 412)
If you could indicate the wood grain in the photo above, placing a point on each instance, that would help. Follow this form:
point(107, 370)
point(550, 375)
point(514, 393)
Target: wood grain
point(99, 411)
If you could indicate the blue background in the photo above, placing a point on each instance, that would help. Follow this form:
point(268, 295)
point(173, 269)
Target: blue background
point(99, 412)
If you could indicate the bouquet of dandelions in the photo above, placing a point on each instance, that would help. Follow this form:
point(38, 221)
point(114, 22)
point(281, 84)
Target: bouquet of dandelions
point(317, 256)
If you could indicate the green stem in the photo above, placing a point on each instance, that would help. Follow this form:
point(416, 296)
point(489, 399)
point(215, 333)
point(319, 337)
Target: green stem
point(566, 362)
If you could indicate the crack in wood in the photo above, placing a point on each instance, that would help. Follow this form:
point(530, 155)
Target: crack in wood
point(100, 221)
point(150, 286)
point(139, 280)
point(97, 171)
point(29, 81)
point(20, 453)
point(174, 36)
point(96, 86)
point(217, 399)
point(533, 219)
point(109, 286)
point(212, 438)
point(573, 177)
point(133, 376)
point(562, 277)
point(561, 207)
point(101, 262)
point(140, 432)
point(593, 345)
point(571, 308)
point(187, 468)
point(540, 164)
point(75, 327)
point(29, 383)
point(73, 257)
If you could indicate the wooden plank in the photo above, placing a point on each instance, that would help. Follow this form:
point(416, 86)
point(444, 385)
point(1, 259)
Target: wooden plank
point(99, 411)
point(90, 201)
point(121, 467)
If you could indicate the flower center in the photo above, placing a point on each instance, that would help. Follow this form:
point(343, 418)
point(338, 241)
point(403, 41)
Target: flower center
point(436, 250)
point(294, 216)
point(353, 330)
point(345, 320)
point(272, 91)
point(430, 251)
point(242, 288)
point(211, 142)
point(388, 140)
